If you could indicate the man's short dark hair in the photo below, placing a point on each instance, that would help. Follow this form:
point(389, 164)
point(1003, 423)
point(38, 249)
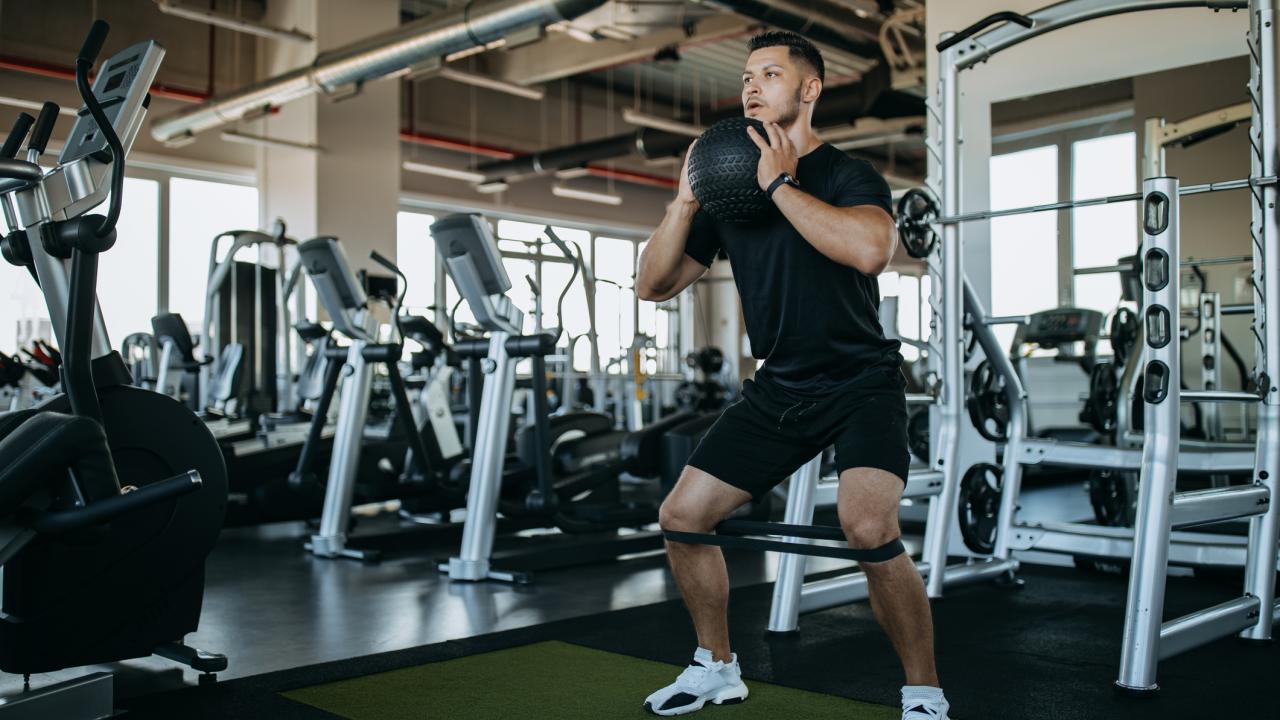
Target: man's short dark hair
point(798, 47)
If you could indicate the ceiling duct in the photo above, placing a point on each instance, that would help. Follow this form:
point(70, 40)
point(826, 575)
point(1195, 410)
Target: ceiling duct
point(470, 25)
point(822, 21)
point(841, 105)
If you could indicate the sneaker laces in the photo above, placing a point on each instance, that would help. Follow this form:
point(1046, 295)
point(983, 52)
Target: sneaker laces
point(916, 709)
point(693, 675)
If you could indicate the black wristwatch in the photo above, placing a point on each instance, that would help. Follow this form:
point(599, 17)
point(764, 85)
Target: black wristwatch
point(783, 179)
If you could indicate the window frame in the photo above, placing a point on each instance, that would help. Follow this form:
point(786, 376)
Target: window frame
point(1063, 135)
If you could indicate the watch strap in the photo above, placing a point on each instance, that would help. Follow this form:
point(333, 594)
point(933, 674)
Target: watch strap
point(783, 178)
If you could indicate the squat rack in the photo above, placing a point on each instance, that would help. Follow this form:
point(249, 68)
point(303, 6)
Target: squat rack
point(1146, 639)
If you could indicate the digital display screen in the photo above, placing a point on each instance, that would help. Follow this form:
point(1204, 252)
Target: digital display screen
point(114, 82)
point(123, 62)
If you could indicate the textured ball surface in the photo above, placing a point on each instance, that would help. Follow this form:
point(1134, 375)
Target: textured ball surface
point(722, 172)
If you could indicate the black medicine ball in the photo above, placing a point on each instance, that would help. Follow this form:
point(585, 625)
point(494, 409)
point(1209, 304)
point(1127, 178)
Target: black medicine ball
point(722, 171)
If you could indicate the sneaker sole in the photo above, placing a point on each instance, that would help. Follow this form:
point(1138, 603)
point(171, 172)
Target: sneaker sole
point(687, 709)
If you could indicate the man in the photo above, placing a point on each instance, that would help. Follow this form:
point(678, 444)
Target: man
point(810, 300)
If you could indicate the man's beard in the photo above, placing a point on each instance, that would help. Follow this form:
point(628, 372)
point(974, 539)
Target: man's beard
point(789, 114)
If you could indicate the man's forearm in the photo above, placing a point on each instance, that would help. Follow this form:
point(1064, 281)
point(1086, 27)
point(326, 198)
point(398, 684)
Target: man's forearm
point(855, 237)
point(659, 265)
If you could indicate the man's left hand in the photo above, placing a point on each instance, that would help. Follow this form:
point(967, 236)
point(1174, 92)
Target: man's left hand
point(777, 155)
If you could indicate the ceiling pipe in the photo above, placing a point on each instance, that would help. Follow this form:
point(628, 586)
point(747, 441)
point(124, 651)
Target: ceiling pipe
point(838, 106)
point(821, 21)
point(463, 146)
point(386, 54)
point(59, 72)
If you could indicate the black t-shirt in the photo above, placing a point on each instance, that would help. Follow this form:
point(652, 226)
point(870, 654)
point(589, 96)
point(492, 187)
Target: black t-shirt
point(813, 321)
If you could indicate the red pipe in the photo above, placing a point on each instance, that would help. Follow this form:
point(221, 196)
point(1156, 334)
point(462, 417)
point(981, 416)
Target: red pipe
point(59, 72)
point(634, 177)
point(448, 143)
point(500, 153)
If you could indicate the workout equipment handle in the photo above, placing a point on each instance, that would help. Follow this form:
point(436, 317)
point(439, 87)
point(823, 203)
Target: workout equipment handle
point(106, 510)
point(44, 127)
point(19, 170)
point(93, 42)
point(19, 131)
point(983, 24)
point(381, 259)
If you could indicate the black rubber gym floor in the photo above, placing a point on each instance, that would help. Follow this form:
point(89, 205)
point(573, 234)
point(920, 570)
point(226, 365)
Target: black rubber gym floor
point(1048, 651)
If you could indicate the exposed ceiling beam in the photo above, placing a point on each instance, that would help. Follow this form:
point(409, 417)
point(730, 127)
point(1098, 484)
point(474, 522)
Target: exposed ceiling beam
point(560, 56)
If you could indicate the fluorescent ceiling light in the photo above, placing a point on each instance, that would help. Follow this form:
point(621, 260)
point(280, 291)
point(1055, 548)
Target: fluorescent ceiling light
point(876, 141)
point(572, 173)
point(578, 34)
point(639, 119)
point(476, 50)
point(30, 105)
point(248, 139)
point(586, 195)
point(491, 188)
point(444, 172)
point(231, 22)
point(489, 83)
point(869, 127)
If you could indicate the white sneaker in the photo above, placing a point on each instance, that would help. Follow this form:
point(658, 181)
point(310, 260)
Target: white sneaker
point(923, 703)
point(705, 681)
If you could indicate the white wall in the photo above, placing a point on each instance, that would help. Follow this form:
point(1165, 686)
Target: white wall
point(1095, 51)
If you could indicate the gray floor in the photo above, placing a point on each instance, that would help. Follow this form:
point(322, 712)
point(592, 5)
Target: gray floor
point(270, 606)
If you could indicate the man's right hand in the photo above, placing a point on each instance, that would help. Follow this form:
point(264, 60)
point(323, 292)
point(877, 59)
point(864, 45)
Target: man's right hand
point(685, 194)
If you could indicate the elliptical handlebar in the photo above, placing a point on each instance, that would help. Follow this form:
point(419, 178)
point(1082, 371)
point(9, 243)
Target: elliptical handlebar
point(382, 260)
point(88, 55)
point(93, 42)
point(17, 134)
point(43, 128)
point(577, 267)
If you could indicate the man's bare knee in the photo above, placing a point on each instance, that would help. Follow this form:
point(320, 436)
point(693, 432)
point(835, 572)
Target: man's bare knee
point(678, 514)
point(699, 502)
point(866, 531)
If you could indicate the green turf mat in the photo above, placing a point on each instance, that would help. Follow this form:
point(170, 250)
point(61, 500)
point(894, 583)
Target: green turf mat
point(552, 680)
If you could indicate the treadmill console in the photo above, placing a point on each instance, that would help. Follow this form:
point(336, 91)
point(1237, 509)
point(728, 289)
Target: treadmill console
point(468, 235)
point(470, 254)
point(335, 283)
point(1061, 326)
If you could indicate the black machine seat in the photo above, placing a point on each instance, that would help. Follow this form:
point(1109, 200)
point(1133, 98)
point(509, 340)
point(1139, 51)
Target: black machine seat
point(310, 331)
point(642, 449)
point(578, 423)
point(422, 331)
point(1070, 433)
point(171, 325)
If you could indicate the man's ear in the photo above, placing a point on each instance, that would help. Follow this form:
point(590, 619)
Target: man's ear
point(812, 89)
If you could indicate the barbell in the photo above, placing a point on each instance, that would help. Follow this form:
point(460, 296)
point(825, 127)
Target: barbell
point(919, 213)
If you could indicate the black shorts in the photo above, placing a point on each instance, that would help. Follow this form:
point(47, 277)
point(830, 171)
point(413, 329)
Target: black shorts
point(769, 434)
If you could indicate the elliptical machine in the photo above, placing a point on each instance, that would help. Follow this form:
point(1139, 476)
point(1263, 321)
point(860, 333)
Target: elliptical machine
point(93, 572)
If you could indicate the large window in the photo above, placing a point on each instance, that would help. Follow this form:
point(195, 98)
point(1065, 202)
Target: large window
point(128, 273)
point(416, 257)
point(23, 315)
point(128, 277)
point(910, 293)
point(199, 210)
point(1102, 233)
point(615, 298)
point(1024, 248)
